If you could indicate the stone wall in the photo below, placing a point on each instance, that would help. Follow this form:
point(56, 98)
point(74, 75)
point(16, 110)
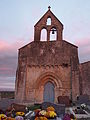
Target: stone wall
point(38, 76)
point(38, 58)
point(85, 78)
point(49, 53)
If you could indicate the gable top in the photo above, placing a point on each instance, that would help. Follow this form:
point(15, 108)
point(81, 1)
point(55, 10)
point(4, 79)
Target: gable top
point(47, 15)
point(55, 25)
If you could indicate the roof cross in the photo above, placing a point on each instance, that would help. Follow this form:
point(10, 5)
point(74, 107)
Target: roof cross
point(49, 7)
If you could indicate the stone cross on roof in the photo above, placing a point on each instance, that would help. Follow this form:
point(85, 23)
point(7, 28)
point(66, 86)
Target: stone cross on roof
point(49, 7)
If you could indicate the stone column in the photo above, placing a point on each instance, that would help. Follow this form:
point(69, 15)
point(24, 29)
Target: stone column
point(48, 35)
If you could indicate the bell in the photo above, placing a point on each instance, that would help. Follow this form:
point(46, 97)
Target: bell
point(52, 31)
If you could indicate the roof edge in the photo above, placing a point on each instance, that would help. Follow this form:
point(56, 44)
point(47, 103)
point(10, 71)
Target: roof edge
point(26, 45)
point(45, 14)
point(70, 43)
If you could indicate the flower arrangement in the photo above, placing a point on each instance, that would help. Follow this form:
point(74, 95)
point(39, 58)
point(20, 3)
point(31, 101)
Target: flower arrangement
point(51, 112)
point(38, 114)
point(48, 113)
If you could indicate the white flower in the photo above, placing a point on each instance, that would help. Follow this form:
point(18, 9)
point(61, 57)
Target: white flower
point(83, 105)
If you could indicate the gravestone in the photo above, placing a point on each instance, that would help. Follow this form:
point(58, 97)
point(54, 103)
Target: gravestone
point(83, 99)
point(64, 100)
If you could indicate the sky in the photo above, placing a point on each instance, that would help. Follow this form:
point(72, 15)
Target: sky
point(17, 20)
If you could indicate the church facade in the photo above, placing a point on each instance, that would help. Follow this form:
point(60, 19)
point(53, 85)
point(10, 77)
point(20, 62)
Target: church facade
point(48, 69)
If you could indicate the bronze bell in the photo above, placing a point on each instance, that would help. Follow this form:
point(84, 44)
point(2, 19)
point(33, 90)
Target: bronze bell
point(52, 31)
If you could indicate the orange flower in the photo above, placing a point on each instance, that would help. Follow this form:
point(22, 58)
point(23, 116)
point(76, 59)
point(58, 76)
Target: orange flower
point(41, 118)
point(50, 108)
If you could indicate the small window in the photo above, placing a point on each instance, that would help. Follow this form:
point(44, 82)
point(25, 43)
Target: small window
point(43, 34)
point(48, 21)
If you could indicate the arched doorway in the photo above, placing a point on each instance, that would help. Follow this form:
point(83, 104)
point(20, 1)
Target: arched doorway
point(49, 93)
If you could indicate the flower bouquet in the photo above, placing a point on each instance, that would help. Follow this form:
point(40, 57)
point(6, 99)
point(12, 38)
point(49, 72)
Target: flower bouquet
point(49, 113)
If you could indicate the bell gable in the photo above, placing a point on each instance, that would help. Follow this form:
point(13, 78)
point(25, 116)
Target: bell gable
point(49, 22)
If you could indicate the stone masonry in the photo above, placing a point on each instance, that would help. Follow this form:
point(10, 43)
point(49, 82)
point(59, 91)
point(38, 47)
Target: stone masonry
point(85, 78)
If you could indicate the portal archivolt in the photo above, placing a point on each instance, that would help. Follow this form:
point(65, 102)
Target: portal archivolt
point(48, 77)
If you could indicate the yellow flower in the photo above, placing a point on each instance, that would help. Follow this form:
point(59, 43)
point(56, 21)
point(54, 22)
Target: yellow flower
point(20, 113)
point(3, 117)
point(47, 115)
point(52, 114)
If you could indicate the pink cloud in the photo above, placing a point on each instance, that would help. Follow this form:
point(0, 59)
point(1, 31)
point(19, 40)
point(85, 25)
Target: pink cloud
point(83, 42)
point(10, 49)
point(84, 46)
point(5, 68)
point(8, 56)
point(3, 45)
point(84, 49)
point(8, 60)
point(6, 47)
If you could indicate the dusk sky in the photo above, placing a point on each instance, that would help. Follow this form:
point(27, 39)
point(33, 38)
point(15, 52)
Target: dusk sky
point(17, 20)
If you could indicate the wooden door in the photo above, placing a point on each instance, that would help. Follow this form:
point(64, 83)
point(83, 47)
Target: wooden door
point(49, 93)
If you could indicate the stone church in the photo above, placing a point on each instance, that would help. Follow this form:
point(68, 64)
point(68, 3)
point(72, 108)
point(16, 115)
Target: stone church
point(48, 69)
